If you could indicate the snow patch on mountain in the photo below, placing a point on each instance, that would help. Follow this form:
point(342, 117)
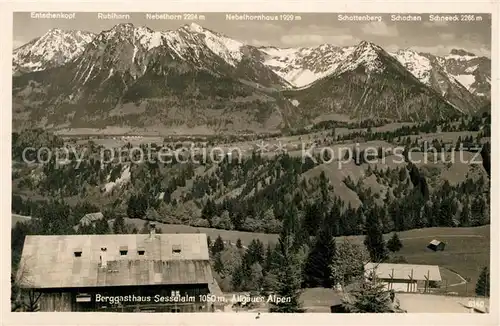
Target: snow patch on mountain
point(466, 80)
point(88, 75)
point(417, 64)
point(226, 48)
point(303, 66)
point(147, 38)
point(471, 69)
point(195, 28)
point(197, 39)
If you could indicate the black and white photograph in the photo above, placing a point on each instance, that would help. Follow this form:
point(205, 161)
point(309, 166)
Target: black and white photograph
point(248, 162)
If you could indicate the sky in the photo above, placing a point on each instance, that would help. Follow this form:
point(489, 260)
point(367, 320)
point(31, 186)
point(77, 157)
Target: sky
point(312, 29)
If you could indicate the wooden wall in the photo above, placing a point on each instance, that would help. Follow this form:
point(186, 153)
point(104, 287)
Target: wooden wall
point(65, 299)
point(56, 301)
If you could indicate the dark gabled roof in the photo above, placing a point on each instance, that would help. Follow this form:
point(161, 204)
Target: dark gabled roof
point(50, 262)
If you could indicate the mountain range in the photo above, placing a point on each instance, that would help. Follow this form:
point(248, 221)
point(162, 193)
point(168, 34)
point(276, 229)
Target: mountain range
point(194, 77)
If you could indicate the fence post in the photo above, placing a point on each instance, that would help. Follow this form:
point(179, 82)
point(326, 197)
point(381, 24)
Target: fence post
point(426, 286)
point(411, 281)
point(391, 279)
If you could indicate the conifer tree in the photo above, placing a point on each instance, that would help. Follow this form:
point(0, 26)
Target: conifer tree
point(465, 214)
point(238, 244)
point(369, 297)
point(237, 279)
point(394, 244)
point(102, 227)
point(349, 262)
point(218, 265)
point(255, 252)
point(374, 240)
point(317, 269)
point(483, 283)
point(268, 262)
point(218, 245)
point(119, 225)
point(288, 278)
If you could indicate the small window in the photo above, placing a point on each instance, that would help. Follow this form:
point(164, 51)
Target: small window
point(176, 249)
point(123, 250)
point(78, 253)
point(141, 252)
point(83, 297)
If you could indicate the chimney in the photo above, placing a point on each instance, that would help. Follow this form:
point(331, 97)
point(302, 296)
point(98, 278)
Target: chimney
point(152, 229)
point(104, 260)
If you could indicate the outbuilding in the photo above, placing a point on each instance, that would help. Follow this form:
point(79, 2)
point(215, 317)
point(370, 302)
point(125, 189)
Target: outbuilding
point(404, 277)
point(436, 245)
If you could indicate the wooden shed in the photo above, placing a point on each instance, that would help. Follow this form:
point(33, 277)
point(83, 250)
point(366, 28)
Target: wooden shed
point(436, 245)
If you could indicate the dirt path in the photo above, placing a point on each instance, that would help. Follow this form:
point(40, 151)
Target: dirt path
point(460, 283)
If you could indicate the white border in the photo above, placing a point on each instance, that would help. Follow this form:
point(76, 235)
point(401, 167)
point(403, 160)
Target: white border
point(374, 6)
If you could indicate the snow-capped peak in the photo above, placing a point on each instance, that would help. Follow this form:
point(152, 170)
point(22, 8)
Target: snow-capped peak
point(196, 37)
point(416, 63)
point(54, 48)
point(54, 31)
point(123, 30)
point(123, 27)
point(368, 49)
point(365, 54)
point(193, 27)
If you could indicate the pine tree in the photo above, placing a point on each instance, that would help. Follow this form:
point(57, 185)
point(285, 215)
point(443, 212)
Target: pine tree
point(102, 227)
point(483, 283)
point(218, 265)
point(323, 186)
point(218, 245)
point(349, 262)
point(288, 278)
point(237, 279)
point(255, 252)
point(369, 297)
point(269, 259)
point(478, 211)
point(394, 244)
point(208, 211)
point(238, 244)
point(486, 156)
point(465, 214)
point(374, 240)
point(317, 269)
point(458, 144)
point(119, 225)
